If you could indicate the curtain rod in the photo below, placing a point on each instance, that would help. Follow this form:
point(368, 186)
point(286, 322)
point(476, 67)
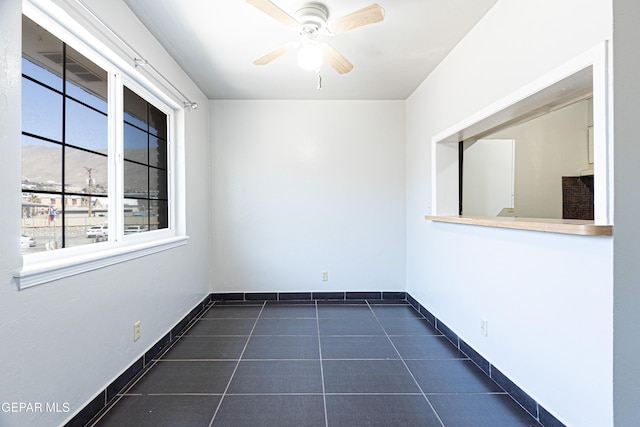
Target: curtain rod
point(138, 60)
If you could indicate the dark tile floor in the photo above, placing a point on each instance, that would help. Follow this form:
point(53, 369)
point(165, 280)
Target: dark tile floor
point(314, 364)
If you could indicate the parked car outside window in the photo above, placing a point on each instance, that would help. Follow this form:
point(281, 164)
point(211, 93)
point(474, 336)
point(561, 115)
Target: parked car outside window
point(27, 241)
point(97, 231)
point(131, 229)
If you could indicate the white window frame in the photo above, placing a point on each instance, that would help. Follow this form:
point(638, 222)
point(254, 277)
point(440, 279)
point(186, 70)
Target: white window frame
point(48, 266)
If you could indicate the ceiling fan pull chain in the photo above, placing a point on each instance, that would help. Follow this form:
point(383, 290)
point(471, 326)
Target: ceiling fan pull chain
point(319, 80)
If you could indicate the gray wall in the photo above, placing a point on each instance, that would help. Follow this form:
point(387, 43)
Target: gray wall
point(626, 372)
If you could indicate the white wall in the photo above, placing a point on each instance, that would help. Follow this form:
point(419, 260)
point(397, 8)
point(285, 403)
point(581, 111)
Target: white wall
point(547, 297)
point(301, 187)
point(65, 341)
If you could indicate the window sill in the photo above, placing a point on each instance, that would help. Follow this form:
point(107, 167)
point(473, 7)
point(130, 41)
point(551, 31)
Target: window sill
point(563, 226)
point(40, 272)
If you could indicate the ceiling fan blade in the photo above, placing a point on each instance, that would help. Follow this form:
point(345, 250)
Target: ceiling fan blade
point(276, 53)
point(336, 60)
point(275, 12)
point(365, 16)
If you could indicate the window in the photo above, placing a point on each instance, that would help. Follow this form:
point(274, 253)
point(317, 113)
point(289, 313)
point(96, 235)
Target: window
point(64, 142)
point(145, 165)
point(97, 157)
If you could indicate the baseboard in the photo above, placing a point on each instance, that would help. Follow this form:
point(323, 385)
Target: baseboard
point(308, 296)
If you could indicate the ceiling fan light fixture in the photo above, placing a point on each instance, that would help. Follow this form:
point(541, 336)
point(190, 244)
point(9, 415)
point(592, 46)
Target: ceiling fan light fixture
point(311, 21)
point(310, 56)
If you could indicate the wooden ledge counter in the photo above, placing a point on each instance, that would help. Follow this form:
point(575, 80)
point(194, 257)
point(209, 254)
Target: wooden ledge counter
point(549, 225)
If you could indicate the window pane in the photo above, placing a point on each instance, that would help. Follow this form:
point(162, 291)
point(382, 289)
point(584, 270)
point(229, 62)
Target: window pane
point(135, 144)
point(136, 216)
point(40, 231)
point(157, 184)
point(136, 182)
point(85, 127)
point(136, 212)
point(157, 122)
point(135, 109)
point(86, 173)
point(86, 81)
point(42, 54)
point(41, 74)
point(157, 152)
point(41, 165)
point(42, 221)
point(84, 224)
point(41, 111)
point(159, 214)
point(151, 164)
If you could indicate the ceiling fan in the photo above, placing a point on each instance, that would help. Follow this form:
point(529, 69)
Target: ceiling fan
point(310, 20)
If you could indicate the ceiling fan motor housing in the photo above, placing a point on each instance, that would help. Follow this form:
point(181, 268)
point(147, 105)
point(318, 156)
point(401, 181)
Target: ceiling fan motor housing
point(312, 17)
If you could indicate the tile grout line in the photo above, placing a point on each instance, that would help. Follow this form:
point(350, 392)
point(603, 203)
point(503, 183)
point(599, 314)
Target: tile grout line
point(406, 366)
point(224, 393)
point(324, 394)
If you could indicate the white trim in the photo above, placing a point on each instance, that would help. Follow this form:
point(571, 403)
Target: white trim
point(41, 273)
point(603, 136)
point(116, 156)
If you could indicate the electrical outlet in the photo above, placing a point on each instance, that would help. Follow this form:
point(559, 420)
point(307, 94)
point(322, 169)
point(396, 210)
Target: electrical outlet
point(325, 276)
point(136, 331)
point(484, 327)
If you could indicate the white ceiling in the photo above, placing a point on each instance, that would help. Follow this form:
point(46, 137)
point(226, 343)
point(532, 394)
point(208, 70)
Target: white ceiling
point(215, 42)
